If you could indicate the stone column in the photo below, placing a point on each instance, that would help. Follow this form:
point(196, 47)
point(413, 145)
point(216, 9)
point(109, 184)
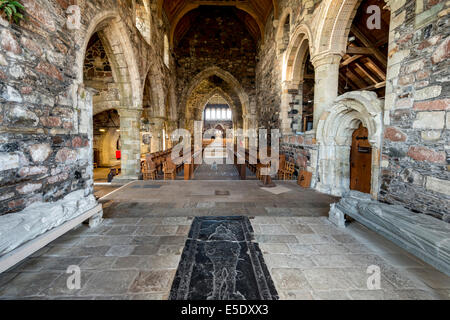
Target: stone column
point(130, 139)
point(284, 110)
point(326, 83)
point(156, 129)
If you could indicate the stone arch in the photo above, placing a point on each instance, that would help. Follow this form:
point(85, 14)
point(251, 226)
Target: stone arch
point(121, 56)
point(280, 36)
point(336, 17)
point(294, 64)
point(227, 77)
point(202, 94)
point(127, 77)
point(334, 136)
point(153, 91)
point(299, 46)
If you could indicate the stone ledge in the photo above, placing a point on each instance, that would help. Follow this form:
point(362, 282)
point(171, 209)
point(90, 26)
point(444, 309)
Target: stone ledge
point(12, 258)
point(424, 236)
point(35, 220)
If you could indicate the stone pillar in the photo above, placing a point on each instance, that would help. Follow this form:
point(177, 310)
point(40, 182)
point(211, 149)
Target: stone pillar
point(156, 129)
point(130, 139)
point(326, 83)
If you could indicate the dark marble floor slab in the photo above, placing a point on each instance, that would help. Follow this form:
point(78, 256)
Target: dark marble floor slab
point(221, 261)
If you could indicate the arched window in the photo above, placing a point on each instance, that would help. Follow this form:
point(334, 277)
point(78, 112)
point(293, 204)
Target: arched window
point(229, 114)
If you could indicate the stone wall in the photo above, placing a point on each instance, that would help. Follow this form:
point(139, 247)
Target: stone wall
point(414, 159)
point(45, 144)
point(301, 150)
point(415, 156)
point(206, 45)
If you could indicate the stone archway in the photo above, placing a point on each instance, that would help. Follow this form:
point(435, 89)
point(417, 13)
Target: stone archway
point(122, 55)
point(336, 17)
point(227, 77)
point(127, 77)
point(197, 94)
point(334, 136)
point(294, 64)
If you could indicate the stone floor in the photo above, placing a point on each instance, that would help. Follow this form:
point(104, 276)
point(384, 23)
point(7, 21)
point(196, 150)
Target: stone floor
point(101, 174)
point(135, 253)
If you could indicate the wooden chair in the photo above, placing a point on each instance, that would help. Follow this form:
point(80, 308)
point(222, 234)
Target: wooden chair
point(281, 166)
point(170, 170)
point(288, 171)
point(149, 169)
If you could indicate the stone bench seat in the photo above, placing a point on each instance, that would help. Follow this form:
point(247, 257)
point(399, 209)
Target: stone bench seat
point(426, 237)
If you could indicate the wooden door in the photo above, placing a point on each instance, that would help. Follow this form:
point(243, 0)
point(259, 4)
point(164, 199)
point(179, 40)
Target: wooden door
point(361, 161)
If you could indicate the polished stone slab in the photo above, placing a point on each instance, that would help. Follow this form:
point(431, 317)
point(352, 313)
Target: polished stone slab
point(424, 236)
point(221, 261)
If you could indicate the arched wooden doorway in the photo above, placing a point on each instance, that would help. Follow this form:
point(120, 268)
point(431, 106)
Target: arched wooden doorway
point(361, 161)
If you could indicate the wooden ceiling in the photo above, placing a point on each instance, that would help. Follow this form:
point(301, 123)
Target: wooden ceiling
point(364, 66)
point(259, 10)
point(190, 19)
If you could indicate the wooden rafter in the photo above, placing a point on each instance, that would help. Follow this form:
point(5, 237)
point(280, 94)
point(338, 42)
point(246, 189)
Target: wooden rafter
point(350, 60)
point(359, 50)
point(366, 73)
point(375, 51)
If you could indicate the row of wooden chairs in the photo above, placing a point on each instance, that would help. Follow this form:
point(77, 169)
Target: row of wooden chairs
point(157, 162)
point(287, 171)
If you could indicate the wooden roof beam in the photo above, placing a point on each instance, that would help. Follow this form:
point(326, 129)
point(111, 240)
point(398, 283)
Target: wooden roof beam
point(367, 74)
point(350, 60)
point(376, 52)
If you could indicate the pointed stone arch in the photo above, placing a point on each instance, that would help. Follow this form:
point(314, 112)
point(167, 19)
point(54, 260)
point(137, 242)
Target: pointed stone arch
point(234, 92)
point(202, 94)
point(121, 55)
point(299, 46)
point(115, 36)
point(294, 64)
point(334, 137)
point(224, 75)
